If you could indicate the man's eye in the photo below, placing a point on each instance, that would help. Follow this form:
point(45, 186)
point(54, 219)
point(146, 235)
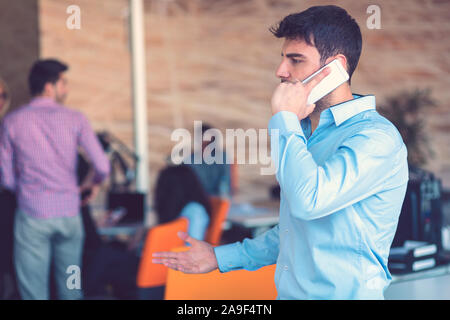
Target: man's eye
point(295, 61)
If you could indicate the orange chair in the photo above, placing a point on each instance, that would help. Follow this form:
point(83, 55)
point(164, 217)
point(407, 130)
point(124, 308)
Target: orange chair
point(219, 214)
point(159, 238)
point(233, 285)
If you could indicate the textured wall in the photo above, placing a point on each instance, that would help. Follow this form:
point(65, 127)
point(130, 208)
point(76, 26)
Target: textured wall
point(19, 45)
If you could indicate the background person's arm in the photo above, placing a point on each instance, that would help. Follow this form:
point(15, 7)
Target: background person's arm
point(88, 141)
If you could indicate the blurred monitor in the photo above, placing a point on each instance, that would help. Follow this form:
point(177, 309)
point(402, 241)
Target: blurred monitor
point(133, 202)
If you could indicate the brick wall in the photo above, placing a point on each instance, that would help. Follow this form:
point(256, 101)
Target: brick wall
point(19, 45)
point(215, 61)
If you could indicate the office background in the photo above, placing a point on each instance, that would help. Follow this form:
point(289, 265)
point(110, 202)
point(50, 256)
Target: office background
point(215, 61)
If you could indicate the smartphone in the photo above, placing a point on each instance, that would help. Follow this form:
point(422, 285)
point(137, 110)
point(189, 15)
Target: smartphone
point(334, 79)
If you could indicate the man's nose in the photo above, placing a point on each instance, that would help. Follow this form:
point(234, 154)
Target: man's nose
point(283, 71)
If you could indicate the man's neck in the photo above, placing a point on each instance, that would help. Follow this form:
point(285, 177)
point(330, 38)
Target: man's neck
point(341, 94)
point(43, 96)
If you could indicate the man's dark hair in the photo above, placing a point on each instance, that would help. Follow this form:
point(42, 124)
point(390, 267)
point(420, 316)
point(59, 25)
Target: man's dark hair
point(43, 72)
point(329, 28)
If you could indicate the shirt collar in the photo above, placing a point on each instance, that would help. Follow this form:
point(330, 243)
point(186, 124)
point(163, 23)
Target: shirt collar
point(345, 110)
point(43, 102)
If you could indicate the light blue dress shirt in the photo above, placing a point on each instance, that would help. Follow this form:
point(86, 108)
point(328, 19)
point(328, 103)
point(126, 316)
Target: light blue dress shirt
point(342, 190)
point(198, 219)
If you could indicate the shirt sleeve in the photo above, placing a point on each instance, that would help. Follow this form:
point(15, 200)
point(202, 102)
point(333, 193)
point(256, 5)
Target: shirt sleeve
point(7, 172)
point(359, 168)
point(198, 220)
point(250, 254)
point(90, 144)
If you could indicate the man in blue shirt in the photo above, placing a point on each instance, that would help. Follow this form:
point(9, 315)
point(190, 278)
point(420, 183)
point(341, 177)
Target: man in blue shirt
point(342, 170)
point(215, 177)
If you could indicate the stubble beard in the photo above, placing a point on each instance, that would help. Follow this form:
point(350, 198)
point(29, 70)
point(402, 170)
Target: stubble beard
point(322, 105)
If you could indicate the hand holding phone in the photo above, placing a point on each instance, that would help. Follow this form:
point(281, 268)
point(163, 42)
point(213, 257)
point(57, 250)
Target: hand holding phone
point(291, 96)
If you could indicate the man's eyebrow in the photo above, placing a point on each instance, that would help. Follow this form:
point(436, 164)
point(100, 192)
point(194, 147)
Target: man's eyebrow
point(294, 55)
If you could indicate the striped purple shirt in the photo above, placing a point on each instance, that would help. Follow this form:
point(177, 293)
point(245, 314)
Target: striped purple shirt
point(38, 157)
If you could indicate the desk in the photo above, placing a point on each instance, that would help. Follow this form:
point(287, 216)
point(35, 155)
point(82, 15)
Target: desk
point(128, 229)
point(432, 284)
point(257, 218)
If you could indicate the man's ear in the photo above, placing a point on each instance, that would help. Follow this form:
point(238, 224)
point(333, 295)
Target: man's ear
point(342, 59)
point(49, 89)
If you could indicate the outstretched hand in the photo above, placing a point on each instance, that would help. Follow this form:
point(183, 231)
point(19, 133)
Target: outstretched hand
point(199, 259)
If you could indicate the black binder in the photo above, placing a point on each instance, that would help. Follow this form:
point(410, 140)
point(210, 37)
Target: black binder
point(411, 266)
point(412, 256)
point(413, 250)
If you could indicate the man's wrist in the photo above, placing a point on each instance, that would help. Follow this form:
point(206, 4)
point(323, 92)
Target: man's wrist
point(285, 122)
point(282, 109)
point(216, 266)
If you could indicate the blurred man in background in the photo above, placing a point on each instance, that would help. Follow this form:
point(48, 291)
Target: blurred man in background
point(215, 177)
point(38, 160)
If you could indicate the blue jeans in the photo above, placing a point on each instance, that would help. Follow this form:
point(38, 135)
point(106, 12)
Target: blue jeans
point(38, 243)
